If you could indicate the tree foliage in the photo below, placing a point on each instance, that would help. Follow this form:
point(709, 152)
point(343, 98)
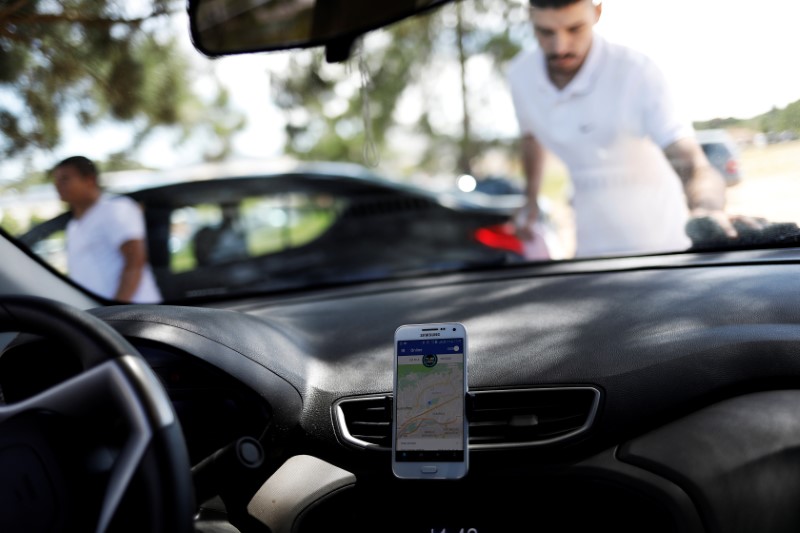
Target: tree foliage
point(773, 121)
point(326, 117)
point(779, 120)
point(96, 60)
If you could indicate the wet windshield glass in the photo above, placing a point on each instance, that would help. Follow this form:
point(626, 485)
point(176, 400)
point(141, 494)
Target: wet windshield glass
point(488, 133)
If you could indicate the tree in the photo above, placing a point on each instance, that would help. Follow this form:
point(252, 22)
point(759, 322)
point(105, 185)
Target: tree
point(327, 118)
point(324, 103)
point(96, 60)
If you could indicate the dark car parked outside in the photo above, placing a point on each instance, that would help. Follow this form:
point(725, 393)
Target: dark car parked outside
point(313, 223)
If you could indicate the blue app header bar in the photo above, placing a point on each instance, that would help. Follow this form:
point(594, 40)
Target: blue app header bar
point(432, 346)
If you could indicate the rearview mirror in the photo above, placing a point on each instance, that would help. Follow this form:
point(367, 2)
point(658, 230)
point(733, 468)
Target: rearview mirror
point(225, 27)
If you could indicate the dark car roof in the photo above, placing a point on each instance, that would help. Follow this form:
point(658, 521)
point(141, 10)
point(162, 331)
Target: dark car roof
point(202, 183)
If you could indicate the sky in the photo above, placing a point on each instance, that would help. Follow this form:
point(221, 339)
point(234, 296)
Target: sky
point(724, 58)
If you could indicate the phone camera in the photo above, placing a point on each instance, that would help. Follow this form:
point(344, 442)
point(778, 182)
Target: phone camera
point(454, 329)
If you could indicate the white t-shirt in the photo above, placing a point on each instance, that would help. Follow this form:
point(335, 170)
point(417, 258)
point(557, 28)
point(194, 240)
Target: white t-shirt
point(94, 259)
point(609, 126)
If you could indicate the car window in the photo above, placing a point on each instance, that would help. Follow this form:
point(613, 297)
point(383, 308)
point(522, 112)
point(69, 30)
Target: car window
point(409, 156)
point(281, 222)
point(209, 234)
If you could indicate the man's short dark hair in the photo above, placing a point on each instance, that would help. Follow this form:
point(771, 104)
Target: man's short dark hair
point(83, 165)
point(554, 4)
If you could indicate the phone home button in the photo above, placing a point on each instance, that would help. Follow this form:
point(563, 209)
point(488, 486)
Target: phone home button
point(429, 470)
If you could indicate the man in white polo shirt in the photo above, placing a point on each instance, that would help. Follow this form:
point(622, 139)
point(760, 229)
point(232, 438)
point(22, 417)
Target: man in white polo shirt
point(637, 172)
point(106, 245)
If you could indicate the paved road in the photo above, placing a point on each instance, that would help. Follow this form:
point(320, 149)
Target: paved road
point(776, 198)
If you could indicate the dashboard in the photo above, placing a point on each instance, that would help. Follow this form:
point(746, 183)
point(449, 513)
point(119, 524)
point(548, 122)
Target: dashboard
point(651, 393)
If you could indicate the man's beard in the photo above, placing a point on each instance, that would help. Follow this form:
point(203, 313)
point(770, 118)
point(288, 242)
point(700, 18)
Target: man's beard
point(554, 65)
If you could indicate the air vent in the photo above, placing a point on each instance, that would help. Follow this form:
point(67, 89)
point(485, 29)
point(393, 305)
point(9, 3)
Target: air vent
point(530, 417)
point(500, 419)
point(365, 422)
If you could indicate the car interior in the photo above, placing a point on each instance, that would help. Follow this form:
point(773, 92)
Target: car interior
point(655, 392)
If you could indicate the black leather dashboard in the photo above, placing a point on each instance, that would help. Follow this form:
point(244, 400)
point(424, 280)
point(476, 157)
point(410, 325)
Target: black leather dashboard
point(682, 350)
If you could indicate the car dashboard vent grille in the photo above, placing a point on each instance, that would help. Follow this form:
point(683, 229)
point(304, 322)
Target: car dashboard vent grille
point(365, 422)
point(499, 419)
point(528, 417)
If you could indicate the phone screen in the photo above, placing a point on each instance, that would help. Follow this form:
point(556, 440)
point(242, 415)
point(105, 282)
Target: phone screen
point(429, 400)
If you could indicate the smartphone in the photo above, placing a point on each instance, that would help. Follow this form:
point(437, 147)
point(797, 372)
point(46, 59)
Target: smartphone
point(429, 423)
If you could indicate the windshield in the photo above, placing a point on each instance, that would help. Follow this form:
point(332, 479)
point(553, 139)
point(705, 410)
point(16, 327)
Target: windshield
point(485, 134)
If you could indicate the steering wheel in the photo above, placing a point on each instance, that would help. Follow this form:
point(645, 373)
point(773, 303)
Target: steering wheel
point(101, 451)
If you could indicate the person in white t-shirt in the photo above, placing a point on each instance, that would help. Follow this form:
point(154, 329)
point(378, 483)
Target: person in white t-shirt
point(106, 239)
point(637, 172)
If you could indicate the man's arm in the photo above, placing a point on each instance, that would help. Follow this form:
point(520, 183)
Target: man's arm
point(134, 255)
point(533, 166)
point(703, 185)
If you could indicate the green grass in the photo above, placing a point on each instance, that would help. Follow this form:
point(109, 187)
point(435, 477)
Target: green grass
point(308, 227)
point(183, 260)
